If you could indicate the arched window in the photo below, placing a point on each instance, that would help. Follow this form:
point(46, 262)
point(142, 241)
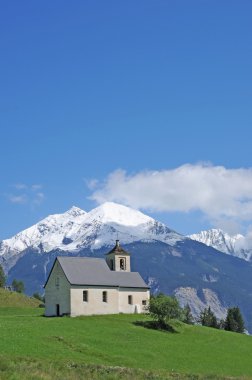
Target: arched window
point(122, 264)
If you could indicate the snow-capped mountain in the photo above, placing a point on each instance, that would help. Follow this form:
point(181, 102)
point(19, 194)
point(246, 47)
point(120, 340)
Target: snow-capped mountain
point(77, 229)
point(234, 245)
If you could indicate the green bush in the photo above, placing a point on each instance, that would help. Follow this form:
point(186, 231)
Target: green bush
point(164, 308)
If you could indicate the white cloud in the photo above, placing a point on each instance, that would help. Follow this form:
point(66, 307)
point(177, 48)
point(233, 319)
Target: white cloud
point(219, 193)
point(91, 183)
point(38, 199)
point(30, 195)
point(18, 199)
point(20, 186)
point(36, 187)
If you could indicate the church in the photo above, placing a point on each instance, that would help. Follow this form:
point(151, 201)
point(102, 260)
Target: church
point(86, 286)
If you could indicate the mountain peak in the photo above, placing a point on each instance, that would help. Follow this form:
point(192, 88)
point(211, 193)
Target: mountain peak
point(230, 244)
point(75, 211)
point(110, 212)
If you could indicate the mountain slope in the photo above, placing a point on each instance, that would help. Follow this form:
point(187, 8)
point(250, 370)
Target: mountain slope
point(234, 245)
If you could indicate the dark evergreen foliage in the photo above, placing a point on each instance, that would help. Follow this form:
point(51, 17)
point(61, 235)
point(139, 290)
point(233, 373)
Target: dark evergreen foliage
point(18, 286)
point(187, 315)
point(208, 318)
point(234, 320)
point(2, 277)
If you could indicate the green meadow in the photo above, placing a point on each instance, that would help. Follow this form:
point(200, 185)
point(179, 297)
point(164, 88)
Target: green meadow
point(115, 347)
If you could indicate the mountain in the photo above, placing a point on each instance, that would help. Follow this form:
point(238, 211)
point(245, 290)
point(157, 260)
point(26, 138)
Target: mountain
point(77, 229)
point(168, 261)
point(234, 245)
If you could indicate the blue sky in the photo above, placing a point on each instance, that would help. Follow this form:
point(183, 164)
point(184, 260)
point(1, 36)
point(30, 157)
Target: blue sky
point(90, 89)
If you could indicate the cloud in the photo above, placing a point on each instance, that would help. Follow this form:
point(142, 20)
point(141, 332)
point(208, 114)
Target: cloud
point(20, 186)
point(219, 193)
point(36, 187)
point(18, 199)
point(31, 195)
point(91, 183)
point(38, 199)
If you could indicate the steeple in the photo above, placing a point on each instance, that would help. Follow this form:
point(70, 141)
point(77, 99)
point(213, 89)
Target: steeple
point(118, 259)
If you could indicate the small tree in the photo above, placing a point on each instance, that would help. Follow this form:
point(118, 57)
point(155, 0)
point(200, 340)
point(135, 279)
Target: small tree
point(2, 277)
point(187, 315)
point(234, 320)
point(164, 308)
point(208, 318)
point(18, 286)
point(222, 324)
point(38, 297)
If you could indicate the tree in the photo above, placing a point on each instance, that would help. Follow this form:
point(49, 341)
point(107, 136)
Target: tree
point(222, 324)
point(234, 320)
point(38, 297)
point(187, 315)
point(208, 318)
point(18, 286)
point(164, 308)
point(2, 277)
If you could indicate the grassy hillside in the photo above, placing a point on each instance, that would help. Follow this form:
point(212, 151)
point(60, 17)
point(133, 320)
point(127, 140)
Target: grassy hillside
point(115, 347)
point(14, 299)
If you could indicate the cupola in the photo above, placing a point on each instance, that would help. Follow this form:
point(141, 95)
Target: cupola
point(118, 259)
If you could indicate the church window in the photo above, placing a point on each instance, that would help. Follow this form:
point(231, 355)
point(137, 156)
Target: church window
point(104, 296)
point(144, 302)
point(57, 282)
point(122, 264)
point(85, 296)
point(130, 301)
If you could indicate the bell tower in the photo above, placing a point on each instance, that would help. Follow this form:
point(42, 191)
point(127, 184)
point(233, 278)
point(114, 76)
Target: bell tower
point(118, 259)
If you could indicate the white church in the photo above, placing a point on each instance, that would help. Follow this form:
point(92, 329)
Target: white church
point(85, 286)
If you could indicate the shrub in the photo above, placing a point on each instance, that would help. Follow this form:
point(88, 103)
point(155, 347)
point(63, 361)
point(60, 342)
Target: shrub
point(164, 308)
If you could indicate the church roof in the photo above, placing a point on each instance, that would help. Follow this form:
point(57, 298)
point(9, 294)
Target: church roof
point(95, 272)
point(118, 250)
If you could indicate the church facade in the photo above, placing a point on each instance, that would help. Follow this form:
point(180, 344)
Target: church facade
point(85, 286)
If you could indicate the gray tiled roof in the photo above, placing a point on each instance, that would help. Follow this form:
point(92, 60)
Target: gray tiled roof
point(93, 271)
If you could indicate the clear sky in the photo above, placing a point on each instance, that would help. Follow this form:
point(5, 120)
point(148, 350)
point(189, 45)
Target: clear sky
point(98, 98)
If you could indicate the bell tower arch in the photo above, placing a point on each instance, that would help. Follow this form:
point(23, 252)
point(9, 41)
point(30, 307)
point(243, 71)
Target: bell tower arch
point(118, 259)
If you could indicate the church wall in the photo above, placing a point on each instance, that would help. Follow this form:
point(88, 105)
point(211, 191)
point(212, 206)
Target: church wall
point(94, 304)
point(57, 292)
point(137, 298)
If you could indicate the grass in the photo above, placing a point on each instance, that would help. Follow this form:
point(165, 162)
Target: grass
point(115, 347)
point(14, 299)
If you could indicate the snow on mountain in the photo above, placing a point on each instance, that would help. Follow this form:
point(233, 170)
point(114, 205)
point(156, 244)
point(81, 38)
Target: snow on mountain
point(234, 245)
point(46, 235)
point(76, 229)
